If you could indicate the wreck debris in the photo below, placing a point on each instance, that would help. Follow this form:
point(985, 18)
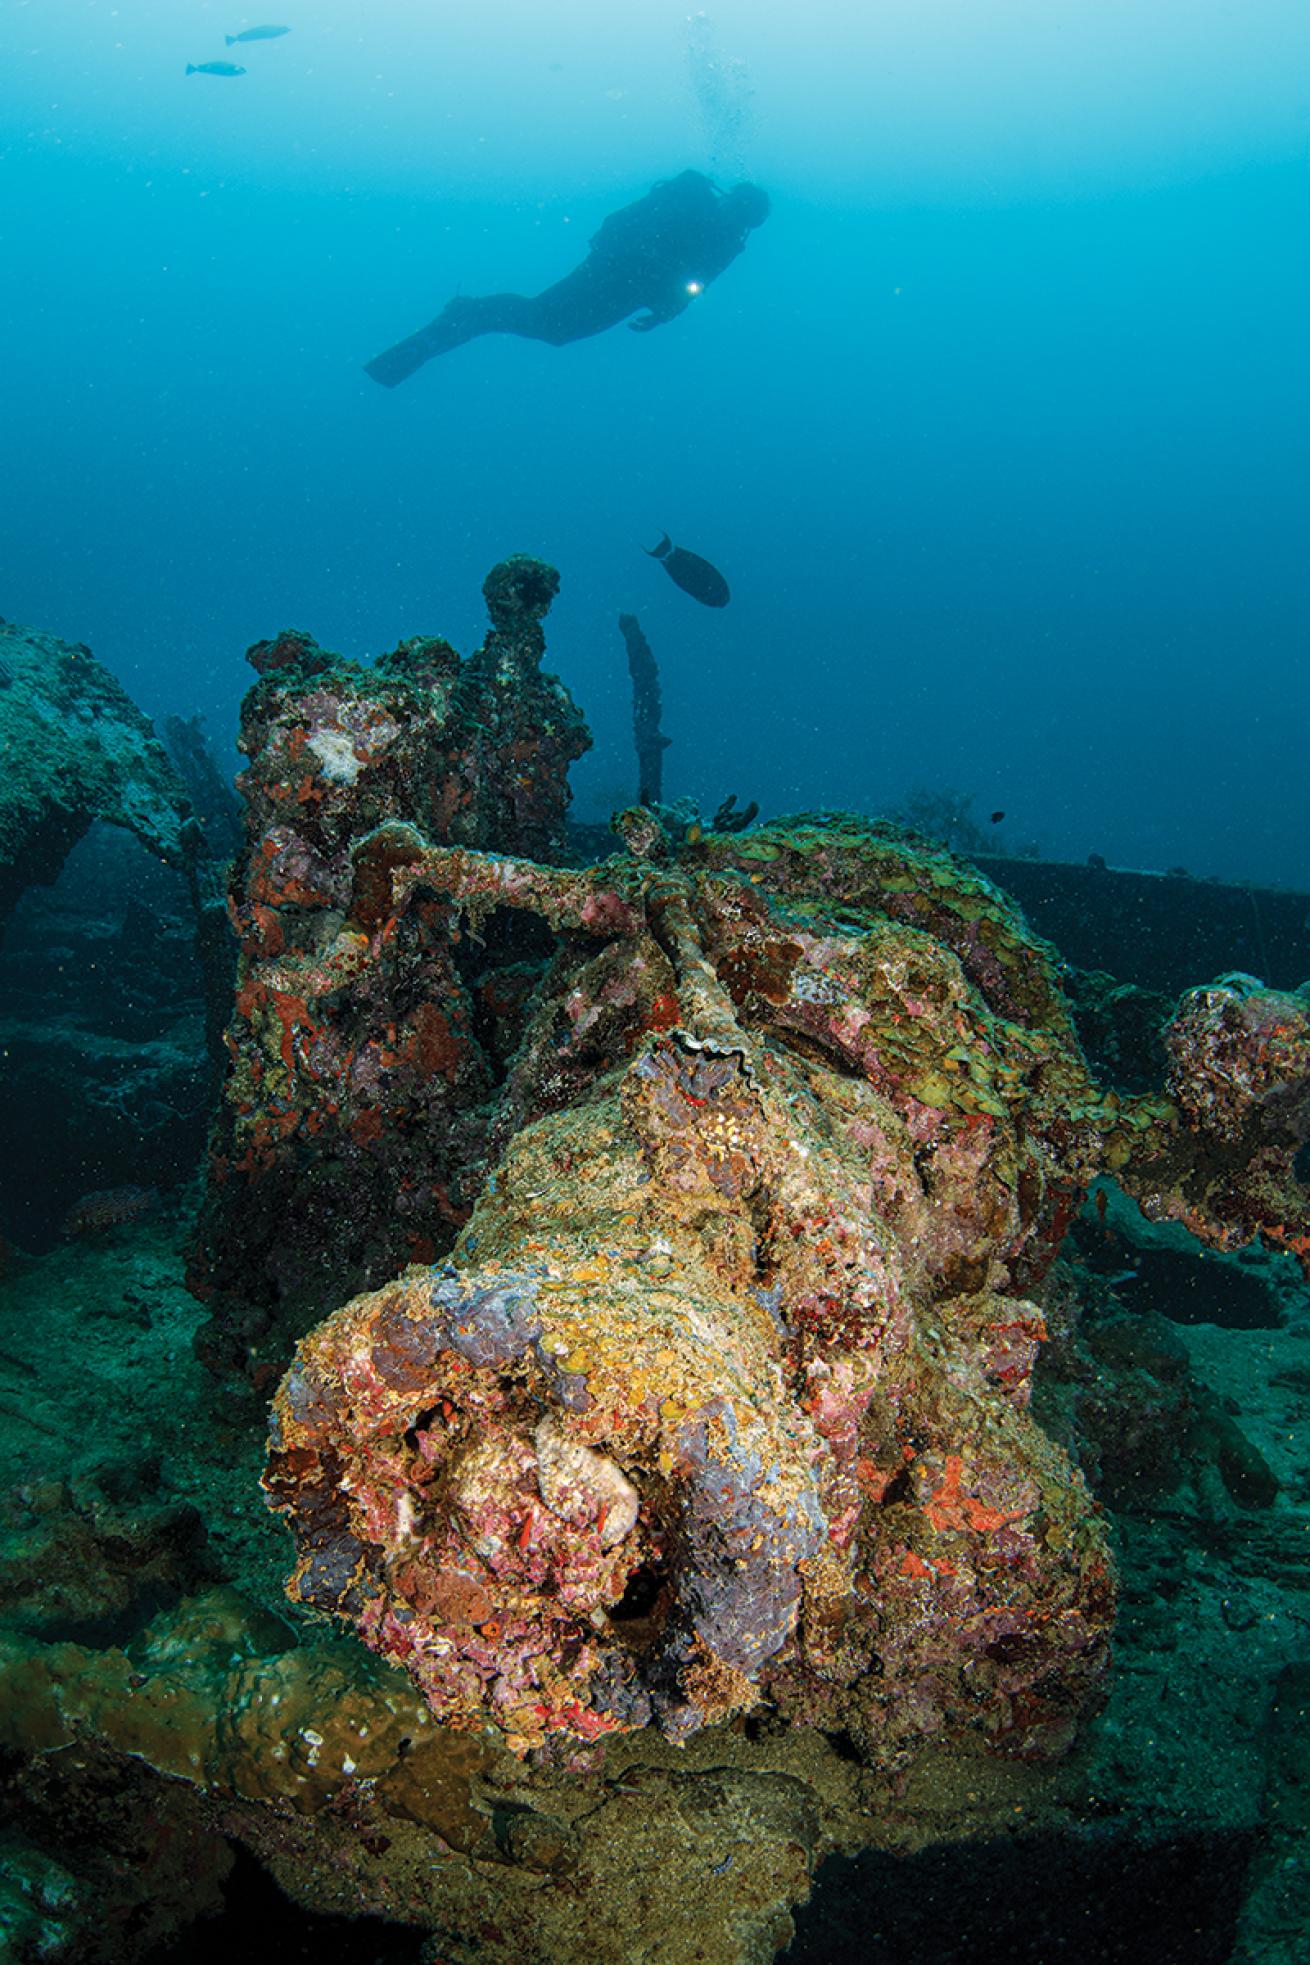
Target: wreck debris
point(766, 1263)
point(730, 818)
point(719, 1402)
point(1239, 1073)
point(208, 786)
point(353, 1121)
point(76, 749)
point(650, 741)
point(761, 1264)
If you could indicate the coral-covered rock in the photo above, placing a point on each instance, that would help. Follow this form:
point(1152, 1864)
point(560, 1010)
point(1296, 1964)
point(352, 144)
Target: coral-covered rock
point(214, 1693)
point(80, 1560)
point(723, 1395)
point(76, 749)
point(1239, 1073)
point(328, 1765)
point(353, 1122)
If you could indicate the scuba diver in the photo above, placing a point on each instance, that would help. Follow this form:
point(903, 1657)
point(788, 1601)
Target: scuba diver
point(651, 260)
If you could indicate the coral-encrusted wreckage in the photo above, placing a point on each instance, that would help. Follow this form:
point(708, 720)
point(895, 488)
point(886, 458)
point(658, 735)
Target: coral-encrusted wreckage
point(75, 748)
point(648, 1261)
point(103, 979)
point(725, 1386)
point(731, 1163)
point(724, 1393)
point(355, 1118)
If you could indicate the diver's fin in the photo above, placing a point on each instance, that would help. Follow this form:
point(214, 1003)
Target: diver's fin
point(661, 551)
point(397, 364)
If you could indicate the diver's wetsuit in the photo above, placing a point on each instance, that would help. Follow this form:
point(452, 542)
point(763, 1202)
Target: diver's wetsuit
point(655, 255)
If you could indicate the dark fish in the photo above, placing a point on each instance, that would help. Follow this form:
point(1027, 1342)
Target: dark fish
point(256, 34)
point(997, 817)
point(213, 68)
point(110, 1207)
point(692, 573)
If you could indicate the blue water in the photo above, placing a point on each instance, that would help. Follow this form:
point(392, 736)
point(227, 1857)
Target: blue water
point(1000, 427)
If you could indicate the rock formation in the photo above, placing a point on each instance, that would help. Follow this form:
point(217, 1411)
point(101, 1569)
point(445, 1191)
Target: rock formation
point(76, 749)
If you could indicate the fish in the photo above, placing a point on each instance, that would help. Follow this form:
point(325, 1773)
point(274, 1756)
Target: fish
point(214, 68)
point(256, 34)
point(110, 1207)
point(997, 817)
point(690, 572)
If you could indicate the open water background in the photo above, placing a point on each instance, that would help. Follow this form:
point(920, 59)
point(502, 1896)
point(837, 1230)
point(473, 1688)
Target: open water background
point(1000, 427)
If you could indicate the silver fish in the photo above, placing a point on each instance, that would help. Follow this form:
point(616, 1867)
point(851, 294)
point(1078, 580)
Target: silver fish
point(256, 34)
point(213, 68)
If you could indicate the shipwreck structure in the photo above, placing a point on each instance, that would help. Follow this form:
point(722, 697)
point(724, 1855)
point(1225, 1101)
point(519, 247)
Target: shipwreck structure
point(352, 1129)
point(655, 1269)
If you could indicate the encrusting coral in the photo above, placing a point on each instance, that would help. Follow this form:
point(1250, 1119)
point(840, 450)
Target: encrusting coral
point(798, 1120)
point(76, 749)
point(352, 1123)
point(679, 1447)
point(1239, 1075)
